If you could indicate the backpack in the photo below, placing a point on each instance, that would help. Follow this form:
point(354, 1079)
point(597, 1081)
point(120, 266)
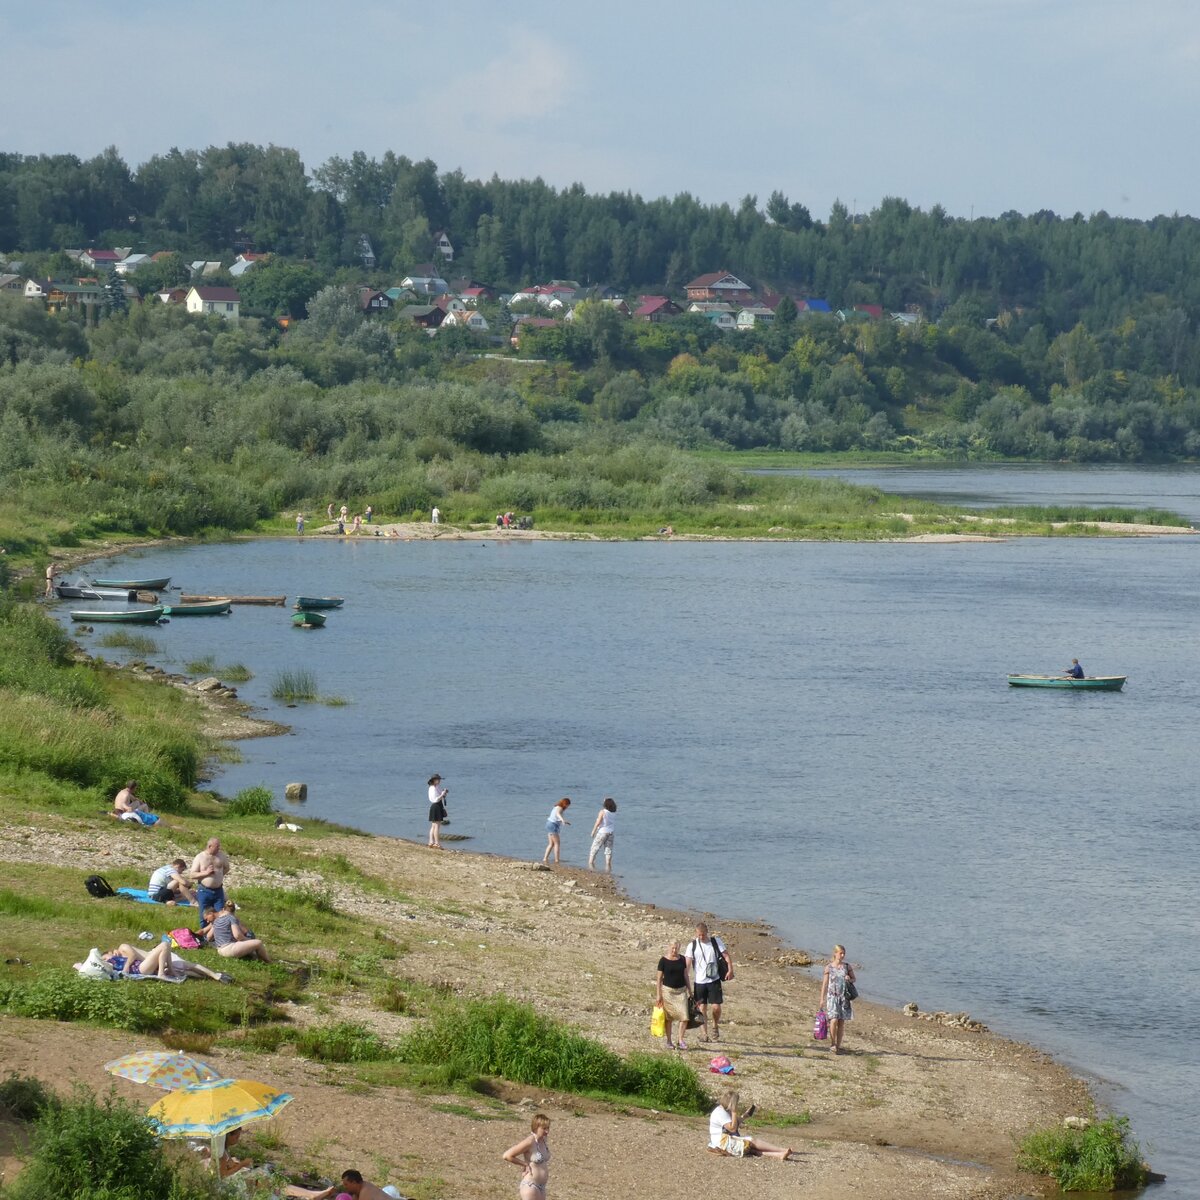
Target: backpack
point(718, 950)
point(99, 887)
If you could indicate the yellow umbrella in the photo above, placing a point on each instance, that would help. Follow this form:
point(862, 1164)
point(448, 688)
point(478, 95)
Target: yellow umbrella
point(213, 1108)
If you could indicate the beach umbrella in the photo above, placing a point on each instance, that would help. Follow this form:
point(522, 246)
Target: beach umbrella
point(166, 1069)
point(212, 1109)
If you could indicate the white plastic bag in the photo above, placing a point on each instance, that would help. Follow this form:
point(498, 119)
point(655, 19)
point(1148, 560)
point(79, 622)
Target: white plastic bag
point(94, 967)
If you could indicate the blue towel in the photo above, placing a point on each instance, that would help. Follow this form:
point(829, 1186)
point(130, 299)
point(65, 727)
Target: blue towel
point(142, 896)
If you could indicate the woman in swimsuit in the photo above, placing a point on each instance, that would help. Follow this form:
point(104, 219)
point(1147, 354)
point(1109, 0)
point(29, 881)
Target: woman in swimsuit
point(532, 1155)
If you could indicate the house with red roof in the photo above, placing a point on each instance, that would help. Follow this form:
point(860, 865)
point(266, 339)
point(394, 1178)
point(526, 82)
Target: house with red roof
point(874, 311)
point(718, 285)
point(214, 301)
point(655, 309)
point(100, 258)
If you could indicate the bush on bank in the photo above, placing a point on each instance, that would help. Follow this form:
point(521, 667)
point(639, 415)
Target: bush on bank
point(1101, 1158)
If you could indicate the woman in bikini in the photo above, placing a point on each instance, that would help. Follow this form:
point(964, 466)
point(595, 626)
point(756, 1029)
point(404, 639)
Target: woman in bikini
point(532, 1155)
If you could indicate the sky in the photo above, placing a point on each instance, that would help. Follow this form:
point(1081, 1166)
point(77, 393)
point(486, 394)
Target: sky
point(982, 106)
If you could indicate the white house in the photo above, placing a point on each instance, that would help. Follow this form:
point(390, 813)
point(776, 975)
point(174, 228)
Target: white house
point(755, 314)
point(425, 285)
point(130, 263)
point(476, 322)
point(214, 301)
point(443, 245)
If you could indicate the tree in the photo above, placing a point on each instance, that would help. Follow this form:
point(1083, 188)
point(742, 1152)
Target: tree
point(786, 312)
point(115, 299)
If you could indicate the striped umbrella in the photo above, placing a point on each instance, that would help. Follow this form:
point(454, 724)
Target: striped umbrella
point(166, 1069)
point(212, 1109)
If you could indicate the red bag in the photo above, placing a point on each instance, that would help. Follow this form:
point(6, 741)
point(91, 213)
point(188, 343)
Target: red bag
point(820, 1026)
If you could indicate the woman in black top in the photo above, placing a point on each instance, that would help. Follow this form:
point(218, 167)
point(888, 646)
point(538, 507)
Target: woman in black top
point(673, 989)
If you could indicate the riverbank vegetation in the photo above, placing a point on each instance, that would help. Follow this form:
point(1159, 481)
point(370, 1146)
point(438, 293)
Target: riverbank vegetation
point(1102, 1157)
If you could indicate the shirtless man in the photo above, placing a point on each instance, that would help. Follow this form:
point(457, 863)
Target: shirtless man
point(209, 869)
point(352, 1183)
point(128, 801)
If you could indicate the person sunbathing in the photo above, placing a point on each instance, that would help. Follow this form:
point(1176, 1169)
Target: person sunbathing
point(159, 963)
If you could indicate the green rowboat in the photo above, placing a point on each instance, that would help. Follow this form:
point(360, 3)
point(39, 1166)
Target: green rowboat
point(1090, 683)
point(308, 620)
point(135, 585)
point(126, 616)
point(308, 603)
point(209, 608)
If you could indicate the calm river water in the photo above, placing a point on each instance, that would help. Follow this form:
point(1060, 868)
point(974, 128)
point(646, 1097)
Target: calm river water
point(817, 734)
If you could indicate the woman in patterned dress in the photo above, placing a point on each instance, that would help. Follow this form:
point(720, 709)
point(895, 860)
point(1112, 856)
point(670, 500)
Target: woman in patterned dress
point(835, 1002)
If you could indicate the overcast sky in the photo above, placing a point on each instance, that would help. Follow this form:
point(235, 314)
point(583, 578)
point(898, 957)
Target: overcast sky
point(980, 105)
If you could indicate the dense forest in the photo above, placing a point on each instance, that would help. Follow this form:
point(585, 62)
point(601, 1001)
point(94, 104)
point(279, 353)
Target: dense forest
point(1040, 336)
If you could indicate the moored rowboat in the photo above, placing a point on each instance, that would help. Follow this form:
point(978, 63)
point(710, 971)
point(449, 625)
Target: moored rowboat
point(189, 599)
point(308, 619)
point(127, 616)
point(211, 608)
point(311, 602)
point(1090, 683)
point(136, 585)
point(80, 591)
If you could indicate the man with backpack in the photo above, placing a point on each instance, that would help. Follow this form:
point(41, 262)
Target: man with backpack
point(710, 965)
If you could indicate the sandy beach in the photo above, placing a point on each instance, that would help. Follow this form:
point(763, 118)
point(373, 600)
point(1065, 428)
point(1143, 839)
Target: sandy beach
point(913, 1108)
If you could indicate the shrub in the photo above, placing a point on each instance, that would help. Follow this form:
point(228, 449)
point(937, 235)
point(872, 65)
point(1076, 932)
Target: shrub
point(1100, 1158)
point(343, 1043)
point(251, 802)
point(497, 1036)
point(92, 1149)
point(22, 1097)
point(64, 996)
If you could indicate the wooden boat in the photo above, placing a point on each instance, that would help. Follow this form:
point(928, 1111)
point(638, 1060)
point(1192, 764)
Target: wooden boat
point(80, 591)
point(210, 608)
point(126, 616)
point(1089, 683)
point(312, 620)
point(135, 585)
point(189, 599)
point(311, 602)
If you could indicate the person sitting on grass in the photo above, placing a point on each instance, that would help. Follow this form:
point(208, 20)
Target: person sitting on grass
point(352, 1184)
point(227, 1165)
point(129, 806)
point(725, 1136)
point(232, 939)
point(159, 963)
point(168, 886)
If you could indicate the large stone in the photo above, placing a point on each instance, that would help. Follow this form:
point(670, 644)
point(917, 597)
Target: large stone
point(208, 685)
point(296, 792)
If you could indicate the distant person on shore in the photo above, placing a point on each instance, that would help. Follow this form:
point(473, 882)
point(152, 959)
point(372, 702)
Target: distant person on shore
point(704, 955)
point(725, 1135)
point(834, 1000)
point(370, 512)
point(437, 811)
point(532, 1155)
point(1074, 671)
point(329, 510)
point(168, 884)
point(51, 571)
point(672, 995)
point(209, 869)
point(232, 939)
point(602, 835)
point(344, 512)
point(357, 526)
point(554, 823)
point(341, 526)
point(667, 531)
point(129, 806)
point(300, 522)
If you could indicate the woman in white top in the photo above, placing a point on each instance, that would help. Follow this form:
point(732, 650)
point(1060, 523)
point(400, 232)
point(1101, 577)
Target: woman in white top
point(554, 823)
point(724, 1132)
point(437, 811)
point(602, 835)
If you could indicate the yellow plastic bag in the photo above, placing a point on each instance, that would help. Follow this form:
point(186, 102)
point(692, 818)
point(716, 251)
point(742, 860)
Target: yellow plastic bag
point(658, 1022)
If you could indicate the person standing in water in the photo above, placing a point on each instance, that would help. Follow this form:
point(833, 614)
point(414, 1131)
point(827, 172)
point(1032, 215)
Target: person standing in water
point(554, 823)
point(437, 811)
point(602, 835)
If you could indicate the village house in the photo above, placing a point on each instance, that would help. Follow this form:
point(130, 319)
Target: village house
point(723, 321)
point(443, 245)
point(655, 309)
point(203, 267)
point(172, 295)
point(12, 283)
point(130, 263)
point(476, 322)
point(101, 259)
point(245, 261)
point(813, 306)
point(527, 324)
point(754, 315)
point(475, 294)
point(373, 302)
point(214, 301)
point(718, 285)
point(427, 316)
point(399, 295)
point(425, 285)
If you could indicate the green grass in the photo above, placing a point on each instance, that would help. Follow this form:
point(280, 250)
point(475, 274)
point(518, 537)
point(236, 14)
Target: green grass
point(232, 673)
point(120, 639)
point(252, 802)
point(294, 685)
point(1101, 1158)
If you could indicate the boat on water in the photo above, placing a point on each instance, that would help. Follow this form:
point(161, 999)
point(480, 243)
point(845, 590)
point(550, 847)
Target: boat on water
point(188, 598)
point(135, 585)
point(1089, 683)
point(308, 603)
point(125, 616)
point(308, 620)
point(207, 608)
point(81, 591)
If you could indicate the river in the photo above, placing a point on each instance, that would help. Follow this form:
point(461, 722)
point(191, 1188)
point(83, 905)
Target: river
point(816, 734)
